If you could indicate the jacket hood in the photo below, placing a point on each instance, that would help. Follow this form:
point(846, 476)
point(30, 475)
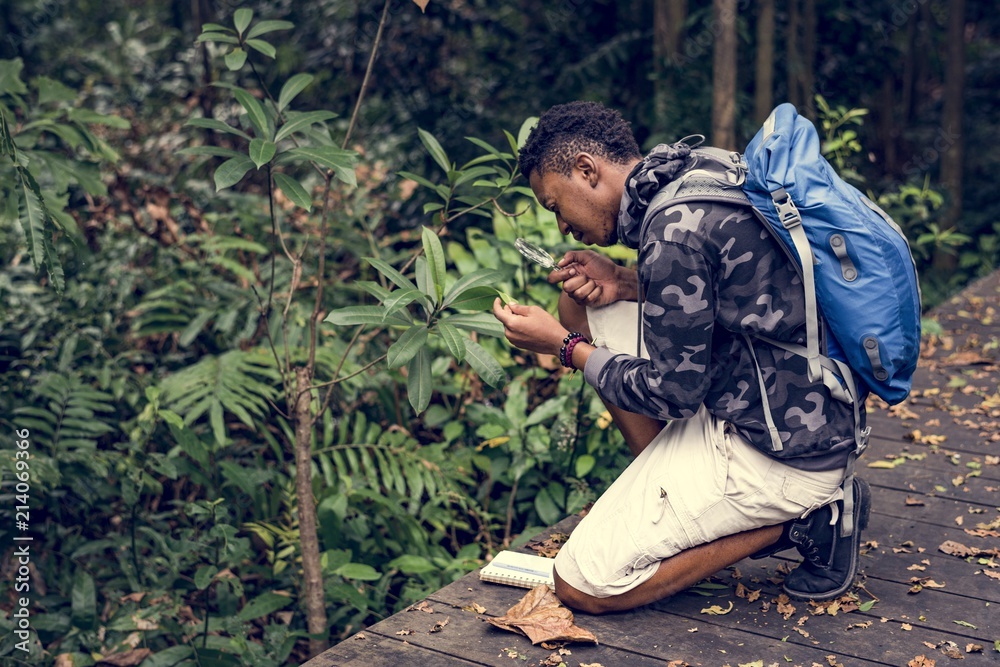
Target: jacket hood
point(654, 171)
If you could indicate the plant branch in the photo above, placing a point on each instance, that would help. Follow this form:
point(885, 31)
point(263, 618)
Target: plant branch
point(368, 73)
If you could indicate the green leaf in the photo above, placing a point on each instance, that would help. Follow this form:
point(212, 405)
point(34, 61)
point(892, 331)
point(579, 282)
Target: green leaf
point(214, 27)
point(217, 125)
point(546, 507)
point(264, 47)
point(435, 149)
point(358, 571)
point(254, 111)
point(263, 605)
point(84, 600)
point(400, 299)
point(435, 260)
point(409, 564)
point(213, 151)
point(339, 160)
point(261, 151)
point(407, 346)
point(292, 87)
point(418, 381)
point(217, 37)
point(353, 315)
point(386, 269)
point(50, 90)
point(262, 27)
point(584, 465)
point(511, 141)
point(242, 18)
point(204, 575)
point(10, 77)
point(299, 121)
point(476, 298)
point(235, 59)
point(526, 127)
point(484, 364)
point(232, 172)
point(484, 323)
point(294, 191)
point(866, 606)
point(452, 339)
point(168, 657)
point(477, 278)
point(965, 624)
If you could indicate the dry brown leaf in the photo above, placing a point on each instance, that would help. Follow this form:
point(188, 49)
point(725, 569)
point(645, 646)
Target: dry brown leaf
point(991, 574)
point(973, 648)
point(361, 636)
point(921, 661)
point(126, 659)
point(918, 568)
point(552, 660)
point(953, 548)
point(906, 627)
point(439, 626)
point(801, 631)
point(549, 547)
point(914, 502)
point(785, 608)
point(475, 608)
point(405, 631)
point(953, 653)
point(421, 606)
point(717, 610)
point(541, 617)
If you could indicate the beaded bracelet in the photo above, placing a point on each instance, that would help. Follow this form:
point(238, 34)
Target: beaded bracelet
point(566, 351)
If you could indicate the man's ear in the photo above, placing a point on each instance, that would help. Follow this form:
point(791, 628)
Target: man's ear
point(588, 168)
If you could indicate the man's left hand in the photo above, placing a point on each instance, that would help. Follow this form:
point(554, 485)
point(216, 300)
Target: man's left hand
point(530, 327)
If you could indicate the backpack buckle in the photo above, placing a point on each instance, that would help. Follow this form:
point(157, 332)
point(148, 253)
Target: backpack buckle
point(788, 214)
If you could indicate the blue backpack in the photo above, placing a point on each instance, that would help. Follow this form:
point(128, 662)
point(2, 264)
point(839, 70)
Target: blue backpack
point(859, 276)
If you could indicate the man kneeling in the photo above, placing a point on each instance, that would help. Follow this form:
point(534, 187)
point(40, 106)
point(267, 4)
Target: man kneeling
point(704, 490)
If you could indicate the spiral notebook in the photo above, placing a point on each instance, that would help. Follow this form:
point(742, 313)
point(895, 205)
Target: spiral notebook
point(517, 569)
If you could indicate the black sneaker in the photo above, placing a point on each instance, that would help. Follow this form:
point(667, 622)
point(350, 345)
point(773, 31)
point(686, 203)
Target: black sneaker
point(785, 541)
point(830, 562)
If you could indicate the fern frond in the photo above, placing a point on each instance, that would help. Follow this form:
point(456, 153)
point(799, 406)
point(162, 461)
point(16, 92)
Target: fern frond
point(66, 413)
point(237, 382)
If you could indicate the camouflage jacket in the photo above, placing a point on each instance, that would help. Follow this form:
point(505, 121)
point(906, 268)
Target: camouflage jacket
point(711, 272)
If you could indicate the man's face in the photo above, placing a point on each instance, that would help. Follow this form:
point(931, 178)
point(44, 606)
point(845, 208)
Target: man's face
point(585, 205)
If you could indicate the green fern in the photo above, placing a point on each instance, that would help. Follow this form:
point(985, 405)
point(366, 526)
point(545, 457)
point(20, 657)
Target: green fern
point(67, 413)
point(234, 382)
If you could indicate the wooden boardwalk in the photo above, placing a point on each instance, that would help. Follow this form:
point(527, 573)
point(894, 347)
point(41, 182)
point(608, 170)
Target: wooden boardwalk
point(938, 481)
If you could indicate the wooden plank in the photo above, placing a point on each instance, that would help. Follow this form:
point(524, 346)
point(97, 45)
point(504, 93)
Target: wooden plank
point(935, 458)
point(918, 484)
point(958, 436)
point(652, 633)
point(469, 637)
point(368, 649)
point(936, 510)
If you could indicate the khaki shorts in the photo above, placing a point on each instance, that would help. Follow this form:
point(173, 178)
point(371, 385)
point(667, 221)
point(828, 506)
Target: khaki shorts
point(697, 481)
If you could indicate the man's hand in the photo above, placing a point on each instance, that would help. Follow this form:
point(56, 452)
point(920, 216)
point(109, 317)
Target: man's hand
point(591, 279)
point(530, 327)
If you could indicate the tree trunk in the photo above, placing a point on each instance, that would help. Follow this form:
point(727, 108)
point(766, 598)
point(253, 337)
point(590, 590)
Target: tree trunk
point(312, 573)
point(793, 56)
point(807, 79)
point(763, 99)
point(724, 75)
point(950, 139)
point(668, 34)
point(888, 129)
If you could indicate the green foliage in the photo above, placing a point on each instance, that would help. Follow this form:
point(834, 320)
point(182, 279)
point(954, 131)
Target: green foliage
point(46, 148)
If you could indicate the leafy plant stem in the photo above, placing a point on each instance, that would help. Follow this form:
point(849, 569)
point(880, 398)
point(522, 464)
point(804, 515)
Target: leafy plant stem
point(368, 73)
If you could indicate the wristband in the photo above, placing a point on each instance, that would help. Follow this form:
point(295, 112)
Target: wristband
point(566, 351)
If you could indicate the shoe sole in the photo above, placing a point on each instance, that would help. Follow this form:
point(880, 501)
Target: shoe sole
point(862, 503)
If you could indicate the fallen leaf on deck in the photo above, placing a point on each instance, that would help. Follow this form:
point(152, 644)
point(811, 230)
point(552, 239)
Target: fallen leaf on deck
point(906, 626)
point(953, 653)
point(439, 626)
point(716, 610)
point(672, 663)
point(552, 660)
point(910, 500)
point(785, 608)
point(959, 520)
point(692, 629)
point(919, 568)
point(477, 608)
point(921, 661)
point(930, 645)
point(548, 548)
point(591, 664)
point(421, 606)
point(541, 617)
point(866, 606)
point(801, 631)
point(361, 635)
point(992, 460)
point(992, 575)
point(866, 624)
point(965, 624)
point(973, 648)
point(953, 548)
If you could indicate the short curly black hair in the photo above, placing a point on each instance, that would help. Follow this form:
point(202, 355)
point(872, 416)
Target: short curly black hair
point(567, 129)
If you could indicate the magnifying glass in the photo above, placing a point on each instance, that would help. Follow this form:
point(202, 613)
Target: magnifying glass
point(536, 254)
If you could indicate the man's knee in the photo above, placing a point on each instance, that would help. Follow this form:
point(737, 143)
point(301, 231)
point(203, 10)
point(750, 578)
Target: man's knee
point(572, 315)
point(575, 599)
